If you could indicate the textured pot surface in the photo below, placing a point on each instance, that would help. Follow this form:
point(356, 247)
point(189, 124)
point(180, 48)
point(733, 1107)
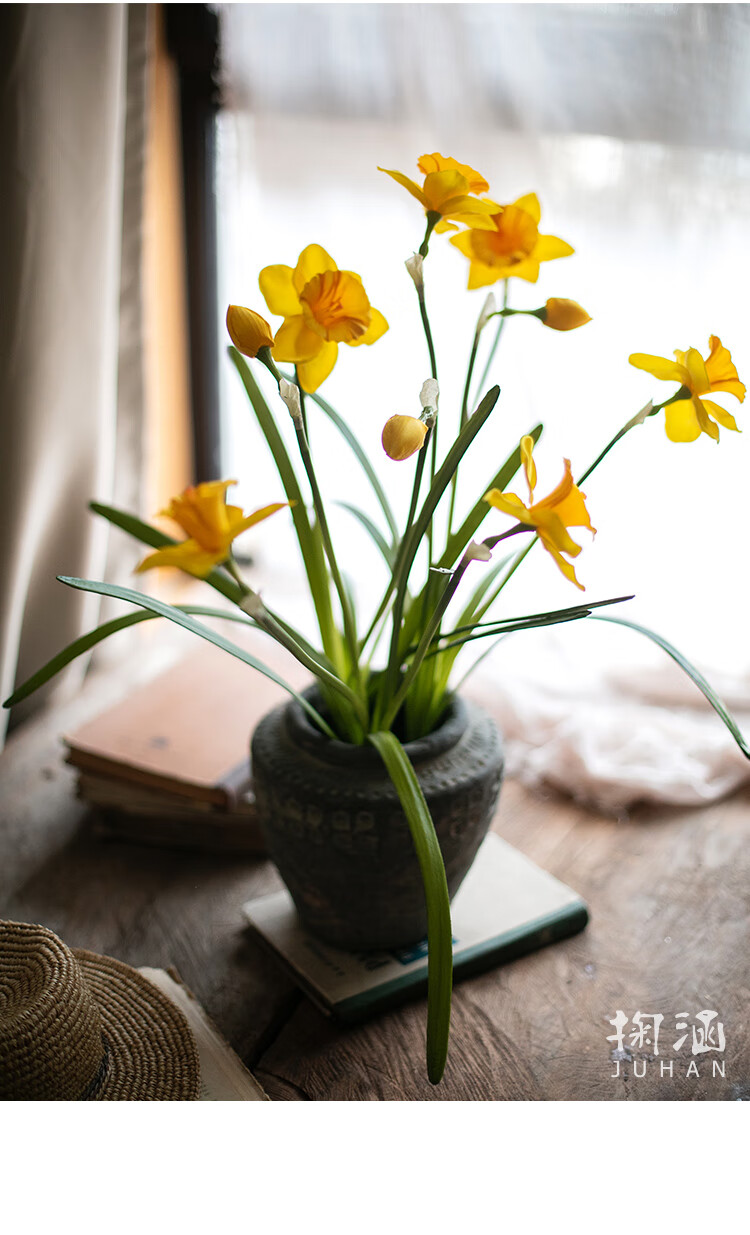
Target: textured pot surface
point(336, 831)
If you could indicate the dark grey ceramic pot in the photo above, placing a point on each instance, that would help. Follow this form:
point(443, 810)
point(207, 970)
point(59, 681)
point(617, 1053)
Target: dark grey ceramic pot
point(335, 829)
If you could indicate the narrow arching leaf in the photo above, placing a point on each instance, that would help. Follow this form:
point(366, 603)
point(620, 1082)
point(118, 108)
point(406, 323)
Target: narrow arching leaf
point(197, 628)
point(439, 932)
point(460, 538)
point(310, 543)
point(86, 642)
point(551, 615)
point(485, 630)
point(703, 686)
point(388, 552)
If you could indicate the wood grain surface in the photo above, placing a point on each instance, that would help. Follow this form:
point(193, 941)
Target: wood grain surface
point(669, 896)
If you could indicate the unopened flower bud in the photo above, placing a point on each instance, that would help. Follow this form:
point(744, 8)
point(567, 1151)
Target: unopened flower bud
point(414, 265)
point(290, 394)
point(403, 436)
point(248, 330)
point(564, 314)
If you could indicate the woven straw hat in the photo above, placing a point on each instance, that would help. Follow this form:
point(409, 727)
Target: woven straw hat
point(75, 1026)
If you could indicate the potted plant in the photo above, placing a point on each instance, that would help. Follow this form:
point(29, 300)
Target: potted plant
point(377, 784)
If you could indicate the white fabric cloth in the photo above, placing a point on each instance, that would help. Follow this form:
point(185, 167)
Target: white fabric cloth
point(613, 740)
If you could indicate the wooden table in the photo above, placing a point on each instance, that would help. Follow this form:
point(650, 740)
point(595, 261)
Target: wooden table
point(669, 896)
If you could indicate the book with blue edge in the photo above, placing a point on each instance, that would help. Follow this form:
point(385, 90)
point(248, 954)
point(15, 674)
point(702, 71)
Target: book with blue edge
point(507, 906)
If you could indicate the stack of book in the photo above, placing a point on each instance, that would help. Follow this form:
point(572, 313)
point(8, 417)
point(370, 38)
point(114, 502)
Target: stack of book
point(170, 765)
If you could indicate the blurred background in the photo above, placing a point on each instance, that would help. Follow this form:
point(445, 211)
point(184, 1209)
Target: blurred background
point(158, 156)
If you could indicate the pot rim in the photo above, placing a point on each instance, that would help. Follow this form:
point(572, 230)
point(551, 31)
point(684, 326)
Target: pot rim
point(331, 750)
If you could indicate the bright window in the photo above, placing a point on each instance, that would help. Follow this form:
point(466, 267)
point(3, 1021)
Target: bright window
point(656, 203)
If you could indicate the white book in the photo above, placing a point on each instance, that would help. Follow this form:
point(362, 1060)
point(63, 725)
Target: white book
point(224, 1077)
point(506, 906)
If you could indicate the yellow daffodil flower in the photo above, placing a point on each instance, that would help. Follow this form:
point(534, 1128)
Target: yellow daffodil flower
point(322, 306)
point(687, 418)
point(513, 248)
point(403, 436)
point(248, 330)
point(564, 507)
point(211, 525)
point(564, 314)
point(447, 190)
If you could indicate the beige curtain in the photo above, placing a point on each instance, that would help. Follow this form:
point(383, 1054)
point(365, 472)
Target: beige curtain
point(72, 138)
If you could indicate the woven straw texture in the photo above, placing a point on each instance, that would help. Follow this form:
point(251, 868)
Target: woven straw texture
point(74, 1025)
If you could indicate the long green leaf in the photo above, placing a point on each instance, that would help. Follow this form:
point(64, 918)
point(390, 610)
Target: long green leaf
point(388, 552)
point(439, 933)
point(573, 611)
point(310, 542)
point(460, 539)
point(510, 628)
point(353, 442)
point(403, 632)
point(695, 676)
point(442, 479)
point(86, 642)
point(149, 535)
point(197, 628)
point(443, 664)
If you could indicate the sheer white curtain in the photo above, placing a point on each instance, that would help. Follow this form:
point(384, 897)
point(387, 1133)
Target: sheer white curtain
point(632, 123)
point(72, 137)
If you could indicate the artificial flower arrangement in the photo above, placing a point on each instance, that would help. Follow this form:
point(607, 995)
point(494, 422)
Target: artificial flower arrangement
point(389, 700)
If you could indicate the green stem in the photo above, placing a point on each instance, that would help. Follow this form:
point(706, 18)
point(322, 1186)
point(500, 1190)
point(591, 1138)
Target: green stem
point(350, 632)
point(464, 418)
point(433, 217)
point(418, 472)
point(500, 327)
point(401, 572)
point(427, 331)
point(231, 566)
point(433, 371)
point(681, 394)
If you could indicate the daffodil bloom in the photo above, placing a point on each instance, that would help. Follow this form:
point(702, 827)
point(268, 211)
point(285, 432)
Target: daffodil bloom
point(403, 436)
point(322, 306)
point(447, 190)
point(513, 248)
point(563, 314)
point(564, 507)
point(248, 330)
point(211, 526)
point(687, 418)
